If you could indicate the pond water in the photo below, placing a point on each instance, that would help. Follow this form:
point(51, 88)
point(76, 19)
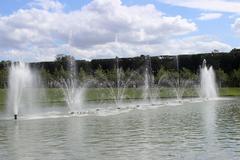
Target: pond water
point(189, 130)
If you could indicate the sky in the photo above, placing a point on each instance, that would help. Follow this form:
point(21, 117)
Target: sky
point(38, 30)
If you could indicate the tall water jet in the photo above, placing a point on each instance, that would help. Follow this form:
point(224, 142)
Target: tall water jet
point(148, 80)
point(175, 80)
point(178, 89)
point(120, 85)
point(207, 82)
point(118, 97)
point(179, 83)
point(73, 92)
point(23, 91)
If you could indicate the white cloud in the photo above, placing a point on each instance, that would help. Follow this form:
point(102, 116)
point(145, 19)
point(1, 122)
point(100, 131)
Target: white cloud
point(236, 26)
point(44, 30)
point(209, 16)
point(190, 45)
point(196, 44)
point(50, 5)
point(231, 6)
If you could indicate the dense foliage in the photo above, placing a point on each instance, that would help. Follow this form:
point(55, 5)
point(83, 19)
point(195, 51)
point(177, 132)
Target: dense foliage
point(226, 65)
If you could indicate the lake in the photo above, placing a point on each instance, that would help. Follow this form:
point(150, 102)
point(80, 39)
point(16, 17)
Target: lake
point(189, 130)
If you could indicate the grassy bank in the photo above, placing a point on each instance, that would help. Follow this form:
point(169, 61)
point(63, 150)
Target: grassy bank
point(229, 92)
point(3, 95)
point(95, 94)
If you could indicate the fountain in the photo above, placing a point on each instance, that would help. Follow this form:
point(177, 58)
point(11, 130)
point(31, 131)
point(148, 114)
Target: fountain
point(120, 86)
point(207, 82)
point(148, 94)
point(179, 84)
point(117, 86)
point(174, 82)
point(178, 89)
point(119, 93)
point(23, 91)
point(73, 92)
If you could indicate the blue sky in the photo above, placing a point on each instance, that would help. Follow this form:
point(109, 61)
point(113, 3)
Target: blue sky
point(38, 30)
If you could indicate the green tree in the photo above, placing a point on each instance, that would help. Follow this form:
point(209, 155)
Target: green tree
point(64, 61)
point(46, 76)
point(82, 75)
point(235, 76)
point(187, 74)
point(100, 75)
point(60, 73)
point(3, 77)
point(111, 75)
point(222, 77)
point(162, 73)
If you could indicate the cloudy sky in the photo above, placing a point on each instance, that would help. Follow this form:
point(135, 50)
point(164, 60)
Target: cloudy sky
point(38, 30)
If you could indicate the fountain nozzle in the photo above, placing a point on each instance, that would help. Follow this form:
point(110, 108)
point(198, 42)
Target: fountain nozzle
point(15, 116)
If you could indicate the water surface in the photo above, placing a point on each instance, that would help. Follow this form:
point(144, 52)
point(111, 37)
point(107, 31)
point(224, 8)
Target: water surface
point(199, 130)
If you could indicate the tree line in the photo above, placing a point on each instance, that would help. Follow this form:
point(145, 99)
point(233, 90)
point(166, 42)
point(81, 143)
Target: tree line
point(103, 71)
